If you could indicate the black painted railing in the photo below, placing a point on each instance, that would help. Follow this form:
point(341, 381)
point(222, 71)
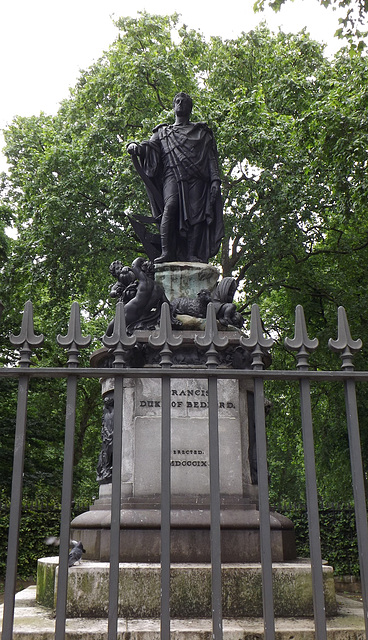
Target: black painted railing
point(165, 341)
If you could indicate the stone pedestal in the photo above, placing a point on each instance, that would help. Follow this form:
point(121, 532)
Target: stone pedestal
point(190, 517)
point(190, 487)
point(189, 439)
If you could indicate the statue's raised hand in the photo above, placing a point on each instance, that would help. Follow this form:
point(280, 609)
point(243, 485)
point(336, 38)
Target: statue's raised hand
point(133, 149)
point(215, 188)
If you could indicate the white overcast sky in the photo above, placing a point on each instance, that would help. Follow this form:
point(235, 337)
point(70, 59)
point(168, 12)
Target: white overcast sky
point(44, 44)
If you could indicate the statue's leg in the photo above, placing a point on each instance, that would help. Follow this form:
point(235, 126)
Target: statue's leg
point(196, 243)
point(169, 225)
point(197, 234)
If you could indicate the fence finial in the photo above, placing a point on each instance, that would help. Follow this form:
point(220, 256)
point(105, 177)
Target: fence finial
point(344, 343)
point(119, 338)
point(301, 342)
point(26, 340)
point(256, 341)
point(211, 338)
point(74, 340)
point(165, 338)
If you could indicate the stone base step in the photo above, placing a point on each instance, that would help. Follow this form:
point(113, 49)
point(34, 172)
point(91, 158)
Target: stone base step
point(190, 589)
point(33, 622)
point(140, 535)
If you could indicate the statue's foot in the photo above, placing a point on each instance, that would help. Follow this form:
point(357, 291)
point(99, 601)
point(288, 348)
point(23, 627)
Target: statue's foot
point(163, 258)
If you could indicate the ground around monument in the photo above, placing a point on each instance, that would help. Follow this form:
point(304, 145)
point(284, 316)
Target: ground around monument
point(20, 585)
point(33, 622)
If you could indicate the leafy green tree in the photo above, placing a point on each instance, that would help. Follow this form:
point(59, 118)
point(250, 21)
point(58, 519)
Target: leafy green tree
point(356, 12)
point(291, 128)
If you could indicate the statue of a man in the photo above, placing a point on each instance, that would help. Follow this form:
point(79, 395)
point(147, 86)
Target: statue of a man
point(179, 166)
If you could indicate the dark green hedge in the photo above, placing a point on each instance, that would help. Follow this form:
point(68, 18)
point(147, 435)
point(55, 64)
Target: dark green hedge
point(338, 535)
point(39, 520)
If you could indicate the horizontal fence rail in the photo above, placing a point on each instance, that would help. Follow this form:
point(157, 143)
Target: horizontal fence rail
point(211, 342)
point(218, 373)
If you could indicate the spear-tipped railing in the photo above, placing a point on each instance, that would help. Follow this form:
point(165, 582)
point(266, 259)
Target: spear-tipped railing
point(165, 340)
point(73, 342)
point(212, 342)
point(26, 341)
point(347, 347)
point(303, 346)
point(258, 344)
point(120, 342)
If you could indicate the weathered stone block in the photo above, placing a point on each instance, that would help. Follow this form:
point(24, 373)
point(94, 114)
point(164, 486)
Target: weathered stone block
point(184, 279)
point(139, 589)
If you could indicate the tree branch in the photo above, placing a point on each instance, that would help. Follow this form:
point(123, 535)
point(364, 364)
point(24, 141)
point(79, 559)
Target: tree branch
point(155, 88)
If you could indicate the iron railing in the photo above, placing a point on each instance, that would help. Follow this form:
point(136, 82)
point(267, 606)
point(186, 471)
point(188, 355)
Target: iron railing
point(211, 341)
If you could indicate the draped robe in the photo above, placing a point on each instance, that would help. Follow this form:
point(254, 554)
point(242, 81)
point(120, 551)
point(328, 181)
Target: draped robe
point(184, 157)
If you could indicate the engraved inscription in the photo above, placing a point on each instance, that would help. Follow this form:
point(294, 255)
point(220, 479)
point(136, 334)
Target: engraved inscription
point(189, 455)
point(184, 400)
point(188, 463)
point(195, 404)
point(187, 452)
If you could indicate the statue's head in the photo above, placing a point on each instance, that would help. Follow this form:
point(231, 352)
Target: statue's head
point(115, 268)
point(204, 296)
point(149, 268)
point(183, 101)
point(237, 320)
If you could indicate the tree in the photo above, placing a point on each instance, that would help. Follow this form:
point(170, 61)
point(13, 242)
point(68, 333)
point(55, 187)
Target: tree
point(291, 129)
point(356, 11)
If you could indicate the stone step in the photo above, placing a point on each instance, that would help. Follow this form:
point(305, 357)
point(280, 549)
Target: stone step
point(33, 622)
point(190, 597)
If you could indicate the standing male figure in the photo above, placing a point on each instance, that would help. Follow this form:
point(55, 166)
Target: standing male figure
point(179, 166)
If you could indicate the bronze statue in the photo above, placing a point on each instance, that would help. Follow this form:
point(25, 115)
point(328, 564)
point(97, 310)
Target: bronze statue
point(126, 287)
point(179, 166)
point(196, 307)
point(222, 298)
point(104, 466)
point(142, 295)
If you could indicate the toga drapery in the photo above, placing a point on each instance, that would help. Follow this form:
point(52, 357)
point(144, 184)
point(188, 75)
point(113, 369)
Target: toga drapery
point(185, 156)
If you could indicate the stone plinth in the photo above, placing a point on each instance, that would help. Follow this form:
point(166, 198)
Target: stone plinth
point(186, 279)
point(190, 461)
point(190, 534)
point(139, 590)
point(190, 486)
point(189, 438)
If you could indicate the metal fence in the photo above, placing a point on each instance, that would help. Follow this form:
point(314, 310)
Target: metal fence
point(211, 342)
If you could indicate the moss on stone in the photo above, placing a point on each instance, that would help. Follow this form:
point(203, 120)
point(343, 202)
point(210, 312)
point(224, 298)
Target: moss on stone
point(46, 568)
point(139, 590)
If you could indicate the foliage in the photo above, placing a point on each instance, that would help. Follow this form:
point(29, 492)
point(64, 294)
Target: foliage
point(40, 519)
point(356, 11)
point(44, 452)
point(293, 189)
point(338, 535)
point(292, 134)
